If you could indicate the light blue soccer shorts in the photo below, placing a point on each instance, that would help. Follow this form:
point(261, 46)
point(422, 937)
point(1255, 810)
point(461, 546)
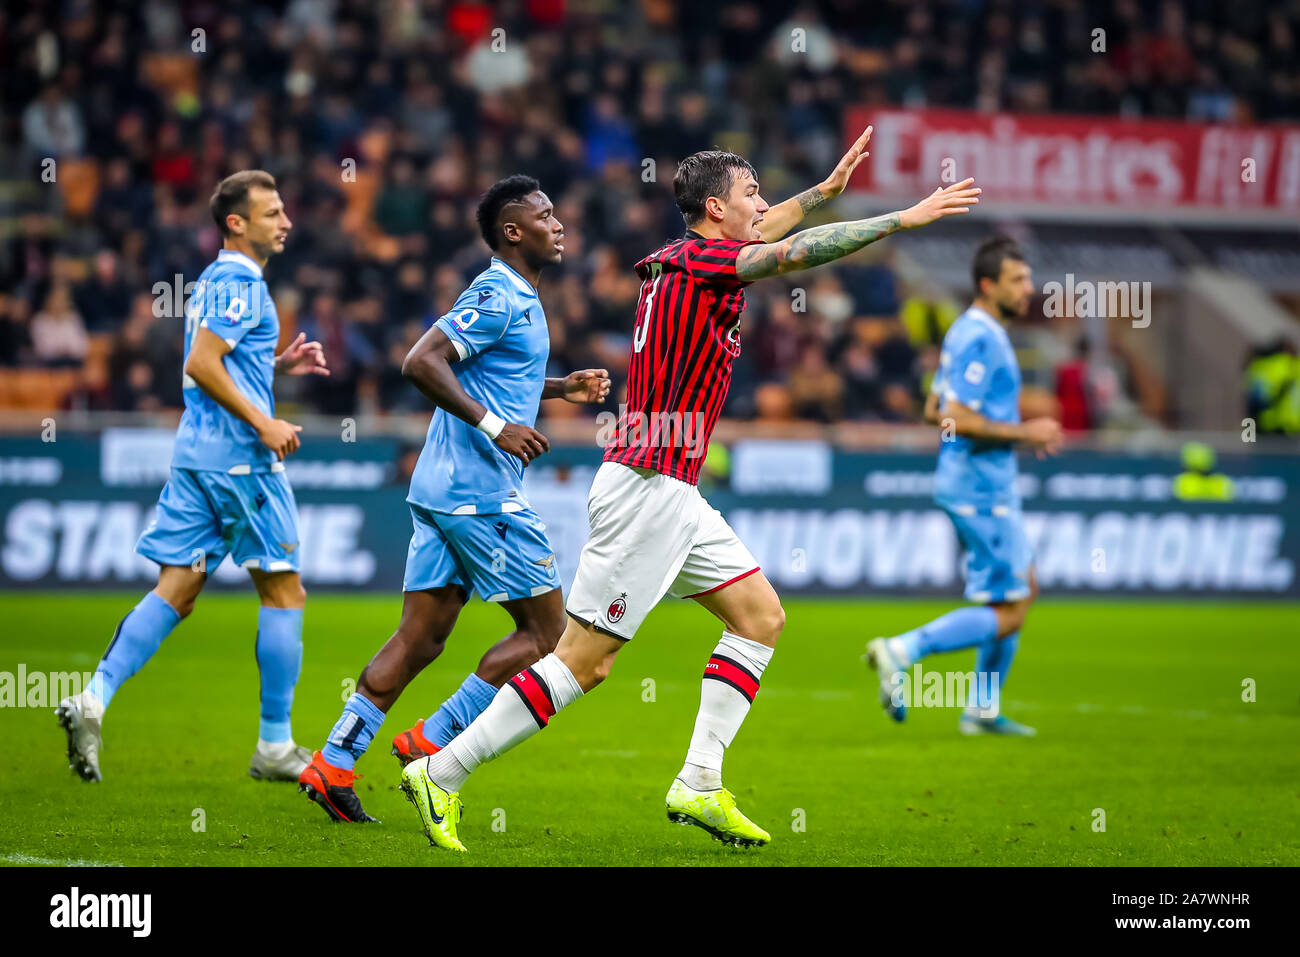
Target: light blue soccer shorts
point(251, 517)
point(501, 556)
point(997, 550)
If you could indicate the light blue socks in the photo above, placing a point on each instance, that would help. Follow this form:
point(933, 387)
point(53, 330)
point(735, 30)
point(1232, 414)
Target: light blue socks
point(455, 714)
point(963, 628)
point(279, 661)
point(137, 637)
point(353, 732)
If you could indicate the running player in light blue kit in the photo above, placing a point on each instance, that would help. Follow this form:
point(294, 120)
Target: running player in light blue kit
point(976, 396)
point(484, 365)
point(227, 494)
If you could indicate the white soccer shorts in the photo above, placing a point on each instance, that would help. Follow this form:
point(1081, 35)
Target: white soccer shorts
point(651, 535)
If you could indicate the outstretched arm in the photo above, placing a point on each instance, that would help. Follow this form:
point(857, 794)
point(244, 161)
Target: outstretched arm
point(783, 217)
point(823, 244)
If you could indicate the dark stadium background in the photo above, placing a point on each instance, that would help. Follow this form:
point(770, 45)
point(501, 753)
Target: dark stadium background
point(384, 122)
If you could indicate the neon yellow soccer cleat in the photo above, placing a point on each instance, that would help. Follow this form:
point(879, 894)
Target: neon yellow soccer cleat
point(716, 812)
point(439, 810)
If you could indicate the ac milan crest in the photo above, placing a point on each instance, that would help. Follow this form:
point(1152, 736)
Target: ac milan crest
point(617, 608)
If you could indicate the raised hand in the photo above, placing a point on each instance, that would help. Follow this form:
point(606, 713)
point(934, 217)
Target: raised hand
point(302, 358)
point(944, 201)
point(834, 184)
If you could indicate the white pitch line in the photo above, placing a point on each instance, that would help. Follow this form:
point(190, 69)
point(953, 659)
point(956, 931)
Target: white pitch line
point(29, 860)
point(1196, 714)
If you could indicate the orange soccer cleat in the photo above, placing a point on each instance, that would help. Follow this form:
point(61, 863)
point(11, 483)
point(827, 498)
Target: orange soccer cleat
point(331, 788)
point(412, 744)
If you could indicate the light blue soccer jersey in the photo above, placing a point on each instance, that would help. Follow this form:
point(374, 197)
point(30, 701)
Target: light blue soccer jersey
point(499, 329)
point(232, 299)
point(978, 368)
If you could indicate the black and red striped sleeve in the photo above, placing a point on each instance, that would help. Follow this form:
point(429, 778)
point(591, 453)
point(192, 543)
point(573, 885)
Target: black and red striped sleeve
point(714, 260)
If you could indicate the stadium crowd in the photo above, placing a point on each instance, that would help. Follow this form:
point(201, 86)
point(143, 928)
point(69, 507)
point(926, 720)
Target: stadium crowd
point(384, 121)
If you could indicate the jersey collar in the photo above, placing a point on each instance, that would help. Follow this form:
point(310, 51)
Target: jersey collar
point(977, 313)
point(524, 285)
point(235, 256)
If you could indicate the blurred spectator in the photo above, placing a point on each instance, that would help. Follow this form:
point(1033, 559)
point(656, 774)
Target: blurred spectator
point(348, 351)
point(106, 297)
point(862, 398)
point(816, 390)
point(777, 339)
point(385, 124)
point(1072, 390)
point(58, 334)
point(773, 403)
point(15, 341)
point(1273, 388)
point(93, 393)
point(400, 208)
point(52, 125)
point(897, 403)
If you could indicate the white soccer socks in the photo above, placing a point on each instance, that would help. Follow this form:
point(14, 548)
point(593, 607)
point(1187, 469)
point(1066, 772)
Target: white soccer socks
point(520, 709)
point(730, 682)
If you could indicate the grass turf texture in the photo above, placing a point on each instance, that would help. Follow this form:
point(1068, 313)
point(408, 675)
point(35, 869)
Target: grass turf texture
point(1138, 705)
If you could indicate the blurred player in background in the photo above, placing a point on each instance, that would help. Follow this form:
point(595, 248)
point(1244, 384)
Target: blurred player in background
point(976, 397)
point(227, 493)
point(652, 533)
point(483, 365)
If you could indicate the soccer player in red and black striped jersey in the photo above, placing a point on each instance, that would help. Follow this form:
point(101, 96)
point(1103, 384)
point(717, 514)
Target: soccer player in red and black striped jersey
point(652, 534)
point(686, 337)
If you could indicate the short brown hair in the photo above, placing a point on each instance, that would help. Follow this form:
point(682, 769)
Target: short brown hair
point(989, 257)
point(704, 174)
point(231, 195)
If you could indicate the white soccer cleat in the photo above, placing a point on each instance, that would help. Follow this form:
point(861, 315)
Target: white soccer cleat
point(282, 764)
point(84, 738)
point(973, 723)
point(887, 657)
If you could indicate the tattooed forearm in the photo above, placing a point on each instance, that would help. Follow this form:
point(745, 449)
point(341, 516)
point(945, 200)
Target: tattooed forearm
point(810, 199)
point(784, 216)
point(823, 244)
point(814, 247)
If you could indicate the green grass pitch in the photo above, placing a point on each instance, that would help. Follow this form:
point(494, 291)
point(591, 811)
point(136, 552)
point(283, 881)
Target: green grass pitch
point(1138, 705)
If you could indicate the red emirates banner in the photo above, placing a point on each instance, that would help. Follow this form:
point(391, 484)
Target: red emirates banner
point(1074, 163)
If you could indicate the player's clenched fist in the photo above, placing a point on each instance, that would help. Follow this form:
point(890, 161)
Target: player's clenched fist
point(280, 437)
point(949, 201)
point(522, 442)
point(586, 385)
